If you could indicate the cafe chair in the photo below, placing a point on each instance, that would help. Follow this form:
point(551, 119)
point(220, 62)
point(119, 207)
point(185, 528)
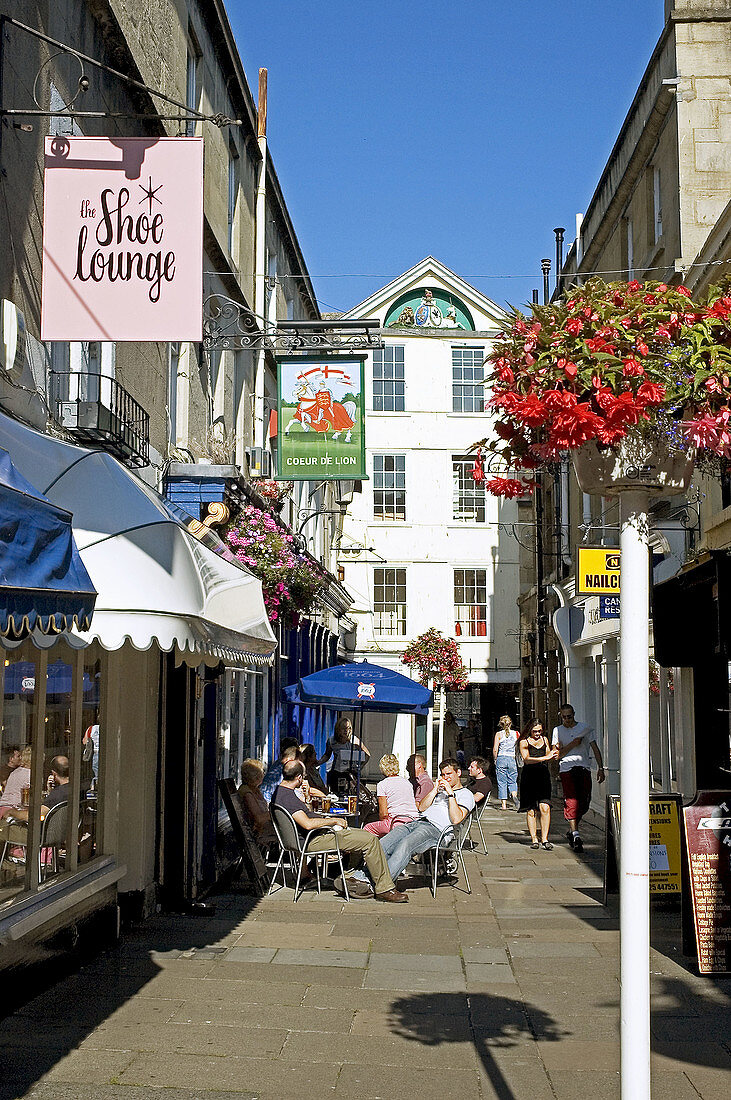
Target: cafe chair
point(477, 820)
point(53, 840)
point(450, 843)
point(296, 848)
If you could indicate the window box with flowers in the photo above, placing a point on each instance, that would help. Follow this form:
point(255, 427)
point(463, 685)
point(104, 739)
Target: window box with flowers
point(291, 583)
point(633, 379)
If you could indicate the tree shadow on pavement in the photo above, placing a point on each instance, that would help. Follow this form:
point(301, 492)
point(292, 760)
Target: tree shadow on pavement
point(492, 1023)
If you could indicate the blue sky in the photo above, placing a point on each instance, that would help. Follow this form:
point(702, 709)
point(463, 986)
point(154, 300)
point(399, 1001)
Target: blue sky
point(465, 130)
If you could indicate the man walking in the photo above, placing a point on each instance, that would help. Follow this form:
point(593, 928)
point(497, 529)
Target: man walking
point(574, 740)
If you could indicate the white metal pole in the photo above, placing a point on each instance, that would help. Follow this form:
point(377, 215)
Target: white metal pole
point(440, 741)
point(634, 755)
point(430, 734)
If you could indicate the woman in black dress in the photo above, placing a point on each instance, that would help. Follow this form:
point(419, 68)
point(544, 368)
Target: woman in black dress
point(535, 782)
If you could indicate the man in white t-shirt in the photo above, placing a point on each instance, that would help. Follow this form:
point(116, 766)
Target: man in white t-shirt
point(574, 739)
point(446, 804)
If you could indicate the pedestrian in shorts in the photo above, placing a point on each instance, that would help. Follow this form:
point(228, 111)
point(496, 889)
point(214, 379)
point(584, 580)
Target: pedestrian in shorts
point(573, 740)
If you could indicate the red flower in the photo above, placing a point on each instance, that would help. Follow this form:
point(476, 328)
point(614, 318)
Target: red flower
point(633, 286)
point(573, 427)
point(531, 411)
point(641, 346)
point(632, 368)
point(557, 400)
point(505, 374)
point(683, 290)
point(574, 326)
point(569, 368)
point(508, 487)
point(651, 393)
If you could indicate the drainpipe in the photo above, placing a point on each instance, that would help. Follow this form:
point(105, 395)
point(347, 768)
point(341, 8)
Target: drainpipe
point(260, 260)
point(565, 517)
point(559, 232)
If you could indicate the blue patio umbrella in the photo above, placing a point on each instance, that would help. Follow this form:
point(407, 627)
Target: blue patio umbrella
point(20, 678)
point(361, 687)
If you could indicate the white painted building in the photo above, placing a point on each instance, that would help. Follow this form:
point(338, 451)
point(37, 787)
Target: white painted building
point(423, 545)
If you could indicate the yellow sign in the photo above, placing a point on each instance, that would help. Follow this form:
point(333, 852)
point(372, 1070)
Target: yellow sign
point(664, 845)
point(598, 572)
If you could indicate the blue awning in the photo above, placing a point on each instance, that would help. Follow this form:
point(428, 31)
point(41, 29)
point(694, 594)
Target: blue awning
point(43, 582)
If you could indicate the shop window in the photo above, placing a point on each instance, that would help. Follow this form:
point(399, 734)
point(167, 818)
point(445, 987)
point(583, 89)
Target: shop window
point(51, 767)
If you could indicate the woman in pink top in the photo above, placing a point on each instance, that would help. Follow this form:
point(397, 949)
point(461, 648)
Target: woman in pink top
point(396, 803)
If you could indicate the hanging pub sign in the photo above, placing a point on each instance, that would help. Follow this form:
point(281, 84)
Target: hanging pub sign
point(123, 239)
point(320, 421)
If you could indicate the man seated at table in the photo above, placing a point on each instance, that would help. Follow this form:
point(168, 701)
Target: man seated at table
point(349, 840)
point(57, 789)
point(419, 777)
point(273, 776)
point(446, 804)
point(479, 782)
point(13, 762)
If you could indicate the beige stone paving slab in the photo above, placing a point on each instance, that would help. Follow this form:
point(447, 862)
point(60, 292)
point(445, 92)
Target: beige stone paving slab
point(308, 957)
point(387, 1083)
point(212, 989)
point(486, 974)
point(709, 1083)
point(588, 1085)
point(266, 1077)
point(290, 1017)
point(282, 935)
point(251, 972)
point(416, 1002)
point(89, 1066)
point(409, 962)
point(411, 981)
point(184, 1038)
point(378, 1022)
point(695, 1052)
point(531, 949)
point(378, 1050)
point(580, 1054)
point(292, 915)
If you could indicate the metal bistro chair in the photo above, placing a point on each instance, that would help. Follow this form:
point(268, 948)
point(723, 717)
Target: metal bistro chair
point(293, 845)
point(477, 818)
point(450, 843)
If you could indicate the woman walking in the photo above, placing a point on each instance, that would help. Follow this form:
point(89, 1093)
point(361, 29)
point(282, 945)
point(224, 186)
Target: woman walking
point(506, 767)
point(535, 782)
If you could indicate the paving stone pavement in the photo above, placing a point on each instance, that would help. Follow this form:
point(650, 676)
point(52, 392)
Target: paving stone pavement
point(509, 992)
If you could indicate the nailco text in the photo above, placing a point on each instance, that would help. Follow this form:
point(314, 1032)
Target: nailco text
point(115, 232)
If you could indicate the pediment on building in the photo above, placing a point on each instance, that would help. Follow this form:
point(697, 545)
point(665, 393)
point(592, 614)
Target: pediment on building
point(427, 298)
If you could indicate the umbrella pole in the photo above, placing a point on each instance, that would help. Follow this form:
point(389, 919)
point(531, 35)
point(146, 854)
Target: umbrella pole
point(357, 776)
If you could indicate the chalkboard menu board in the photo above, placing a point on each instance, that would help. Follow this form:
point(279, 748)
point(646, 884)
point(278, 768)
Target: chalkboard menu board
point(708, 836)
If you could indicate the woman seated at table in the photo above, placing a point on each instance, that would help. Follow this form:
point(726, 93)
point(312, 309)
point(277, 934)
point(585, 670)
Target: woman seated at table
point(254, 805)
point(12, 797)
point(396, 803)
point(308, 756)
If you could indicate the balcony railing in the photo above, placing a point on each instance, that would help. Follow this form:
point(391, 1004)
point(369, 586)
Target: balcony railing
point(96, 409)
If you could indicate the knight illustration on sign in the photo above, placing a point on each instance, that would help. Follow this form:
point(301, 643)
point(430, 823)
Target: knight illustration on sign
point(318, 411)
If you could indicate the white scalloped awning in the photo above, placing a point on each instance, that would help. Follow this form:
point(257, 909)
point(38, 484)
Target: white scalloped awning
point(157, 583)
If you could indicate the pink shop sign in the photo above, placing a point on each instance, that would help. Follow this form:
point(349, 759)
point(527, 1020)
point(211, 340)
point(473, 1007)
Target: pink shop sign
point(123, 239)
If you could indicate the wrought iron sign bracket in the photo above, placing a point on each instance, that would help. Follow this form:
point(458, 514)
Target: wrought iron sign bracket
point(231, 326)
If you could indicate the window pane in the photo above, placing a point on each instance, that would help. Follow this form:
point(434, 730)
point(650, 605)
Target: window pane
point(389, 487)
point(467, 377)
point(389, 601)
point(388, 379)
point(468, 497)
point(470, 602)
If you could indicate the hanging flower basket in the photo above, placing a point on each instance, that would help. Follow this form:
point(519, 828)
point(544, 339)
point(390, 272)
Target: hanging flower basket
point(634, 378)
point(634, 463)
point(437, 658)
